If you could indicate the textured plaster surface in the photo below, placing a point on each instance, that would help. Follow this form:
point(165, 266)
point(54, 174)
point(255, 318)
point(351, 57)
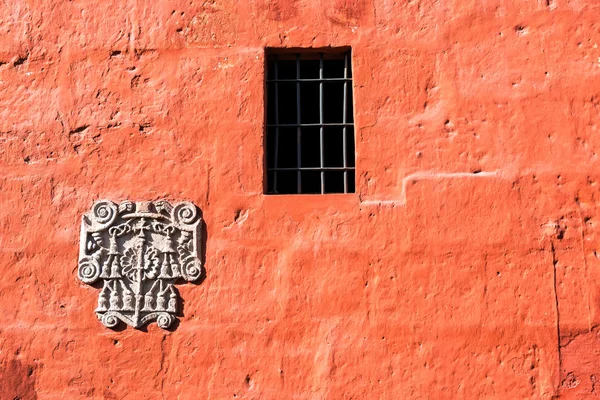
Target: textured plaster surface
point(465, 266)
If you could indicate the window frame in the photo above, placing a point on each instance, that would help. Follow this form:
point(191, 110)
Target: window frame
point(348, 168)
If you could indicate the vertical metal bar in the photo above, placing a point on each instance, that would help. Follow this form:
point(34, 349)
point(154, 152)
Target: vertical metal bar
point(321, 128)
point(276, 156)
point(298, 130)
point(344, 118)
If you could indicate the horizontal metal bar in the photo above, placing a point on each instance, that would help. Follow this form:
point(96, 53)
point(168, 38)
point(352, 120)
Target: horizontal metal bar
point(313, 169)
point(310, 80)
point(309, 125)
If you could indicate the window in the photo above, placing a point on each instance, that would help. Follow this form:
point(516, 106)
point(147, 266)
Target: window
point(310, 124)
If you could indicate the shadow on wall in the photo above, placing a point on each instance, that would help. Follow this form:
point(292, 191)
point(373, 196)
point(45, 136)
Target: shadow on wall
point(17, 381)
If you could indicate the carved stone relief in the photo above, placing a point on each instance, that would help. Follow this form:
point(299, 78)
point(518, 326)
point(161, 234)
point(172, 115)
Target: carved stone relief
point(138, 251)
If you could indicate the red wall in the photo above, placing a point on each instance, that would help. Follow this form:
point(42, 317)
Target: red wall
point(465, 266)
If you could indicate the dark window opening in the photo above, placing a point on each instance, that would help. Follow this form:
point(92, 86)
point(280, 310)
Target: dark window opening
point(310, 123)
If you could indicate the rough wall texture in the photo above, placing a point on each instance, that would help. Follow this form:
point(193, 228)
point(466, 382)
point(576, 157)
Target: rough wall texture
point(465, 266)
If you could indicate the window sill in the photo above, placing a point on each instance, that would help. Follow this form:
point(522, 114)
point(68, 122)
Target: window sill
point(302, 203)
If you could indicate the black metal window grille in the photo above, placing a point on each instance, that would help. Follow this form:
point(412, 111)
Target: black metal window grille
point(310, 123)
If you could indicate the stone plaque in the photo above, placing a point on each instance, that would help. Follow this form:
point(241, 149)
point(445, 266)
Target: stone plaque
point(137, 252)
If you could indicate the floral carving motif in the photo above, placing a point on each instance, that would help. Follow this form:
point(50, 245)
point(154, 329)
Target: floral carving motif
point(138, 251)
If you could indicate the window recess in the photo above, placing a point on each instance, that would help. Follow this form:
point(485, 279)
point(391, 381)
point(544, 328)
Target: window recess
point(310, 122)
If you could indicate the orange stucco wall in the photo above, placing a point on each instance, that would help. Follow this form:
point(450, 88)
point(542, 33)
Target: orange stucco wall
point(465, 266)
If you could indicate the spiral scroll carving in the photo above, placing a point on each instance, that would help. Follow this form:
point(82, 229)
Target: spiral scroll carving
point(110, 320)
point(89, 270)
point(185, 213)
point(193, 270)
point(104, 211)
point(164, 320)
